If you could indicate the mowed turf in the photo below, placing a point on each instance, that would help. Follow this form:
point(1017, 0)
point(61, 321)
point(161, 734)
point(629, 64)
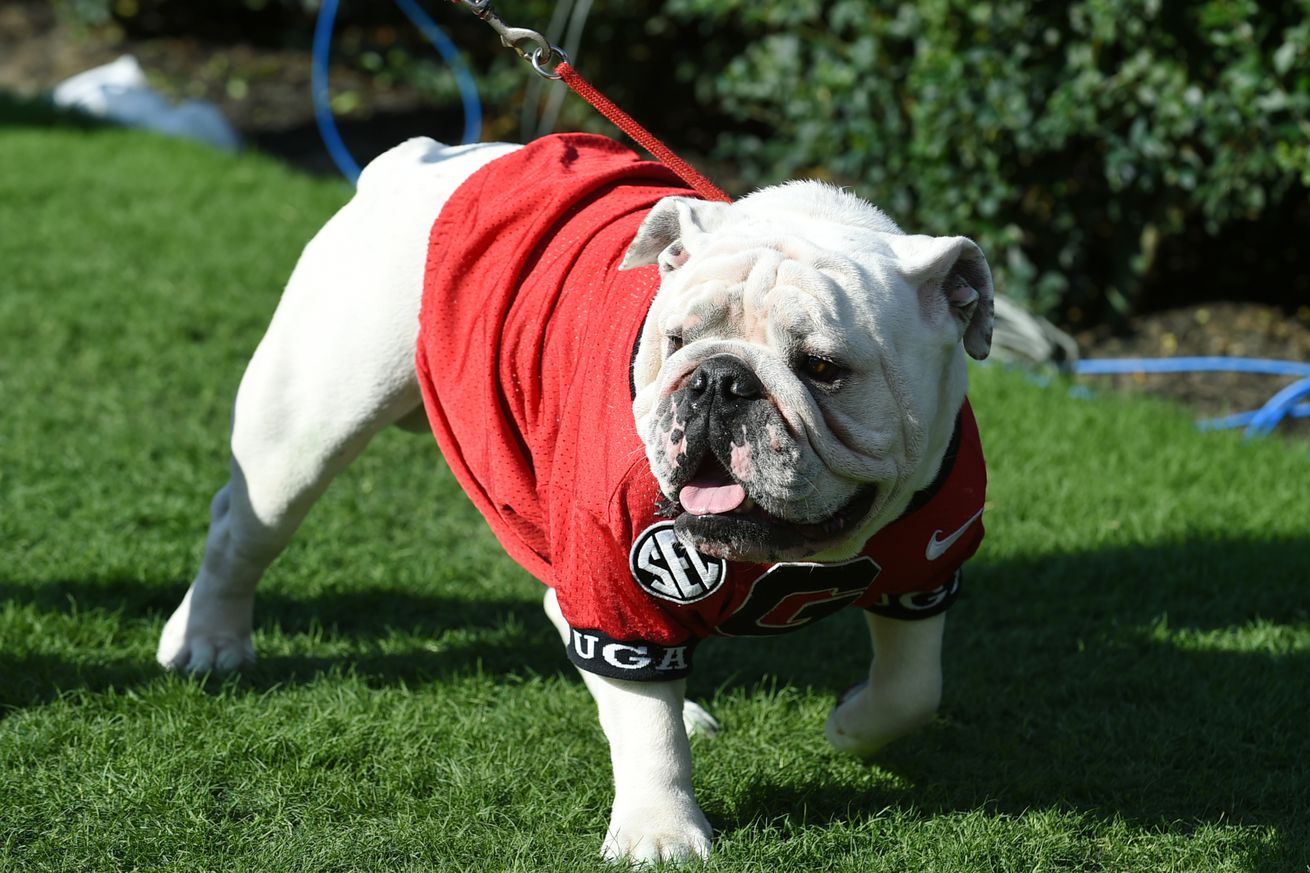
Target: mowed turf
point(1127, 676)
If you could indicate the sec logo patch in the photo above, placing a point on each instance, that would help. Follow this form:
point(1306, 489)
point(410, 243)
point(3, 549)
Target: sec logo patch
point(666, 568)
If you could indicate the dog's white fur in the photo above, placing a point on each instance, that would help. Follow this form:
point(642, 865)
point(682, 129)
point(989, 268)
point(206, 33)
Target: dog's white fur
point(335, 367)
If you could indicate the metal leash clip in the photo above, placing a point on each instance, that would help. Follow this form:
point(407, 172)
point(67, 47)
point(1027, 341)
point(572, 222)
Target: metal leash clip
point(543, 56)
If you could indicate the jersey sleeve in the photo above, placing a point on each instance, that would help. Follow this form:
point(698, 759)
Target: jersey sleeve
point(918, 605)
point(636, 599)
point(613, 628)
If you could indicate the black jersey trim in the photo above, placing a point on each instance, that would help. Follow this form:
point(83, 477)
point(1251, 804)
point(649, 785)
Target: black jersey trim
point(918, 605)
point(597, 652)
point(632, 362)
point(921, 498)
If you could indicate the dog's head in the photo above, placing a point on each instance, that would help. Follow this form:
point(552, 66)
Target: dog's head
point(800, 371)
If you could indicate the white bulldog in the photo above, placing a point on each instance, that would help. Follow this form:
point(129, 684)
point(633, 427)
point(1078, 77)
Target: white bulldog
point(798, 387)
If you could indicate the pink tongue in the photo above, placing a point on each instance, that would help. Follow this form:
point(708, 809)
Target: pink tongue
point(711, 499)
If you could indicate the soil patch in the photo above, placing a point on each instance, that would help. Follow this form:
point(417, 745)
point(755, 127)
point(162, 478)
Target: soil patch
point(1244, 330)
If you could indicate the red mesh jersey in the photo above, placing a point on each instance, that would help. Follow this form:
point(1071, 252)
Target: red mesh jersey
point(525, 347)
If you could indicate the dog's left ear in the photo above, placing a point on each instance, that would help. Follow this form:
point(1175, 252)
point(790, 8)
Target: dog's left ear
point(671, 232)
point(953, 269)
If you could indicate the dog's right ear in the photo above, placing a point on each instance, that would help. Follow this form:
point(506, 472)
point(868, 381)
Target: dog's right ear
point(672, 231)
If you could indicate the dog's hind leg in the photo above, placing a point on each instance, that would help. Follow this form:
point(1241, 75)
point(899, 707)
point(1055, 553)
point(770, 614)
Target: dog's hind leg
point(335, 366)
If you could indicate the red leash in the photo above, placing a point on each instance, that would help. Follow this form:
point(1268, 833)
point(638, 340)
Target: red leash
point(542, 53)
point(643, 137)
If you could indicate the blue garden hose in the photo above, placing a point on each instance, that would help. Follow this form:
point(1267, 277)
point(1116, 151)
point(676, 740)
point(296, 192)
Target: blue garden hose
point(1258, 422)
point(1267, 366)
point(327, 126)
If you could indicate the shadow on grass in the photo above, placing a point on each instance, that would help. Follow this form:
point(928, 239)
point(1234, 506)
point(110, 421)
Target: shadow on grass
point(1168, 686)
point(301, 145)
point(387, 637)
point(22, 112)
point(1164, 685)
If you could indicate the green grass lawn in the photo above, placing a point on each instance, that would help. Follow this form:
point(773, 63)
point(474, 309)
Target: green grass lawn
point(1127, 677)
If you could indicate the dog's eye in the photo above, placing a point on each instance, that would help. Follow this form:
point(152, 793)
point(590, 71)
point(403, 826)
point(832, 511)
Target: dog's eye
point(821, 369)
point(674, 341)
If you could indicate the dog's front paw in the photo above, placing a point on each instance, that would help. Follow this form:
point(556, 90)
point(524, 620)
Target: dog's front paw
point(647, 834)
point(208, 634)
point(860, 725)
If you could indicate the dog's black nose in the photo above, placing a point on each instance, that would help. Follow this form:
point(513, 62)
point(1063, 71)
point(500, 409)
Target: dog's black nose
point(725, 378)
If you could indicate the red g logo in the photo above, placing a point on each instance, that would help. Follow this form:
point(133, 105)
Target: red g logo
point(790, 596)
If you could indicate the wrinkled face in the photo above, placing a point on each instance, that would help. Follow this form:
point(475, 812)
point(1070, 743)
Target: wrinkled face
point(801, 368)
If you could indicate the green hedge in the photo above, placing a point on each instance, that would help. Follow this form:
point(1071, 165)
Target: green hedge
point(1075, 141)
point(1071, 139)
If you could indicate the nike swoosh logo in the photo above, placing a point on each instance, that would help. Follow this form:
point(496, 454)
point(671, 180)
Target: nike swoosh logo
point(937, 547)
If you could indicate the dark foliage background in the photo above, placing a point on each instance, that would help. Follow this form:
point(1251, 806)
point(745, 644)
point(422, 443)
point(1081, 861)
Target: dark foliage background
point(1111, 156)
